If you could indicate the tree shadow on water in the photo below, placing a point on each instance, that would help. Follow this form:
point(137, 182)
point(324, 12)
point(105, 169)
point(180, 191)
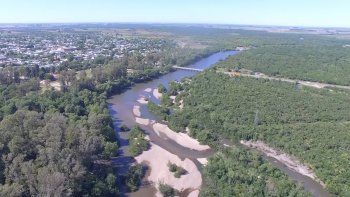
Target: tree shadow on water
point(122, 161)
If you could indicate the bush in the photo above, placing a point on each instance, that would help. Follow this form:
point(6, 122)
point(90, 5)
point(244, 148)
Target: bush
point(166, 100)
point(124, 128)
point(172, 167)
point(110, 149)
point(160, 111)
point(137, 146)
point(137, 141)
point(134, 177)
point(177, 170)
point(167, 190)
point(162, 89)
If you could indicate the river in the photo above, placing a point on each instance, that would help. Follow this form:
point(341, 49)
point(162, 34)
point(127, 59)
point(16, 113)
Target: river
point(121, 109)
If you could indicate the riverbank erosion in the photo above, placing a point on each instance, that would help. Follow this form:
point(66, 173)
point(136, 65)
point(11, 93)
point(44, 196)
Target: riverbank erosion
point(288, 160)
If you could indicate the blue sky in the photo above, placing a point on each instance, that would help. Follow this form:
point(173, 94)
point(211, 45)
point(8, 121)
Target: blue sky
point(333, 13)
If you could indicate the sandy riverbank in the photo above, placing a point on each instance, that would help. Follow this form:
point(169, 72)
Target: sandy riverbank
point(136, 111)
point(181, 106)
point(148, 90)
point(161, 129)
point(181, 138)
point(203, 161)
point(157, 94)
point(288, 160)
point(195, 193)
point(142, 121)
point(158, 159)
point(142, 100)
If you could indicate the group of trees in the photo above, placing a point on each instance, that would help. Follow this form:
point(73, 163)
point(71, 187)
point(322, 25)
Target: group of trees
point(309, 123)
point(137, 141)
point(238, 172)
point(160, 111)
point(177, 170)
point(134, 177)
point(57, 143)
point(167, 190)
point(9, 75)
point(320, 59)
point(60, 142)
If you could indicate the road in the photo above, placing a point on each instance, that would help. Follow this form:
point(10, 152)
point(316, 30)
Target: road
point(301, 82)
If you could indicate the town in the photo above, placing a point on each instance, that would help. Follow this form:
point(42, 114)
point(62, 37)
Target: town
point(27, 47)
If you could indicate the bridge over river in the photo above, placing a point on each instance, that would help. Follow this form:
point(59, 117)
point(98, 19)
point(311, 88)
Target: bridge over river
point(187, 68)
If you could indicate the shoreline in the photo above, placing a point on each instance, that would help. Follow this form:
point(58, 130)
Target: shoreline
point(157, 94)
point(288, 160)
point(158, 158)
point(182, 139)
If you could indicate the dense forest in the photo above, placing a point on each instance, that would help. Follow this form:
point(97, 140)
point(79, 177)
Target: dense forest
point(319, 59)
point(311, 124)
point(238, 172)
point(57, 143)
point(231, 171)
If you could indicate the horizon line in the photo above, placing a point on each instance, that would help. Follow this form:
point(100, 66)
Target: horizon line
point(176, 23)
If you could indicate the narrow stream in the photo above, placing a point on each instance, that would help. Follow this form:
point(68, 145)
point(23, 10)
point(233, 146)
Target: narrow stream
point(121, 109)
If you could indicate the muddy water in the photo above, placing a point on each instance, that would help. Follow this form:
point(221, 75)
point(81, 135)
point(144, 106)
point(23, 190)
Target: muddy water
point(121, 109)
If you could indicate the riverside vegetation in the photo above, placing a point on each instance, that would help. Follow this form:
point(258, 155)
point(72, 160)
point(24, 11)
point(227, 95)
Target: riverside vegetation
point(245, 171)
point(177, 170)
point(311, 124)
point(137, 142)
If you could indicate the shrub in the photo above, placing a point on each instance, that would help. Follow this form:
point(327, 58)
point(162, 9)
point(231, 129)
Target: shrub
point(124, 128)
point(177, 170)
point(134, 177)
point(137, 141)
point(167, 190)
point(172, 167)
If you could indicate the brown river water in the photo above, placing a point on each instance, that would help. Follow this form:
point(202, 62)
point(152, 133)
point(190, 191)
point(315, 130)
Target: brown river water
point(121, 109)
